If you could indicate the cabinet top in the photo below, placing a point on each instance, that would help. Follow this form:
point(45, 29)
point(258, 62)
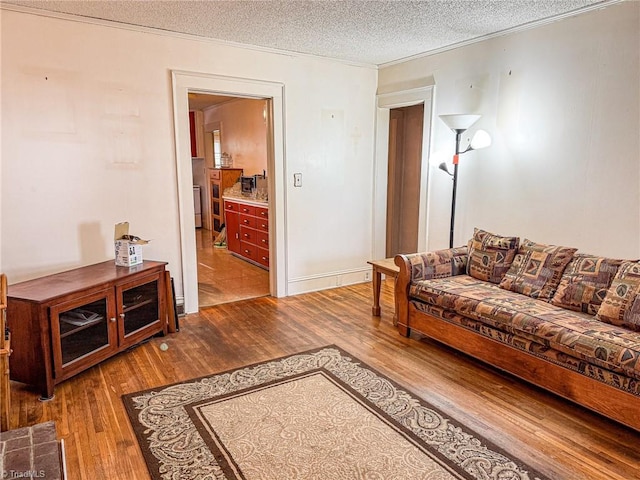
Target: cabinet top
point(103, 274)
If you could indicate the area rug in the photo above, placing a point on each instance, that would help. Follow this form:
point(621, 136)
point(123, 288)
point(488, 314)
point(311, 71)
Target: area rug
point(320, 414)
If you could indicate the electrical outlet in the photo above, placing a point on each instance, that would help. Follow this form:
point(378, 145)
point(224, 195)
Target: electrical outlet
point(297, 179)
point(367, 276)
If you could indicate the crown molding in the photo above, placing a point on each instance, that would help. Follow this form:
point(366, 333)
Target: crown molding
point(527, 26)
point(168, 33)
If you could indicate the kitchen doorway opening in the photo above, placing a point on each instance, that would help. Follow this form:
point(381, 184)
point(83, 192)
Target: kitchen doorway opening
point(183, 84)
point(230, 139)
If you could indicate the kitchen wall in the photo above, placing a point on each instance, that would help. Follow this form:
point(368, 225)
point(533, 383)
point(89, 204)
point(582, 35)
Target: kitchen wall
point(243, 132)
point(88, 141)
point(562, 104)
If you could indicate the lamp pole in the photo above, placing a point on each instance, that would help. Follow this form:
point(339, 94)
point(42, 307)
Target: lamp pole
point(455, 185)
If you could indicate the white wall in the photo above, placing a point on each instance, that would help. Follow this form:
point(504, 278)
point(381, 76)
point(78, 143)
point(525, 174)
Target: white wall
point(562, 103)
point(243, 133)
point(88, 141)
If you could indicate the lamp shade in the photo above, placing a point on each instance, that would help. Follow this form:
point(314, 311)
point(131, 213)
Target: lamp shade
point(481, 139)
point(459, 122)
point(444, 168)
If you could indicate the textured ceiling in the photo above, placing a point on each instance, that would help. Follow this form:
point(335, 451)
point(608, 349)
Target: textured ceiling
point(369, 32)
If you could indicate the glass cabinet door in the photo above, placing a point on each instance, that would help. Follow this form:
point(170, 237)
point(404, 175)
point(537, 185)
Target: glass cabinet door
point(83, 332)
point(139, 309)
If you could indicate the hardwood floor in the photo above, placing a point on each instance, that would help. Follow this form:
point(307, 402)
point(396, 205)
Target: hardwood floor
point(559, 439)
point(224, 278)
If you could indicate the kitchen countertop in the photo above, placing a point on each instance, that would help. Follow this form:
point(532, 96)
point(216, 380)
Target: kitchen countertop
point(246, 200)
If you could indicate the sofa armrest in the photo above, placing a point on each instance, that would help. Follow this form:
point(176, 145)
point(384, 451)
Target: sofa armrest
point(423, 266)
point(437, 264)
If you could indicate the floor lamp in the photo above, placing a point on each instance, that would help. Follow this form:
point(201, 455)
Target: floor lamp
point(459, 124)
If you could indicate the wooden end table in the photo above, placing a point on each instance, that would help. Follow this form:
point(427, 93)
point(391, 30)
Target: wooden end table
point(388, 267)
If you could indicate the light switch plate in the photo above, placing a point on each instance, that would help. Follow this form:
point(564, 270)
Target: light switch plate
point(297, 179)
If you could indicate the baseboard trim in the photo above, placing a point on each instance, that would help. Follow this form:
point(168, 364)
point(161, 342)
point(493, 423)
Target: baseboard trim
point(314, 283)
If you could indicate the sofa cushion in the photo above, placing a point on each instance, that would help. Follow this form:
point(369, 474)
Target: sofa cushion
point(584, 283)
point(537, 269)
point(574, 333)
point(461, 293)
point(621, 305)
point(490, 255)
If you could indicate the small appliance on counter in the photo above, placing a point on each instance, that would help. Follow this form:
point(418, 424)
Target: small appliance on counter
point(249, 184)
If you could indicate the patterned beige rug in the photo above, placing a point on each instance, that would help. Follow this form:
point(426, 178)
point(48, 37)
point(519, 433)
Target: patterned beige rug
point(320, 414)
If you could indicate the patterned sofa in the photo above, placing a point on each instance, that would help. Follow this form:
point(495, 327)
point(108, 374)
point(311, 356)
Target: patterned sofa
point(565, 321)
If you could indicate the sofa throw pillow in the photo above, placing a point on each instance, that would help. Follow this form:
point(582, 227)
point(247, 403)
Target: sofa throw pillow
point(585, 282)
point(490, 255)
point(621, 304)
point(536, 269)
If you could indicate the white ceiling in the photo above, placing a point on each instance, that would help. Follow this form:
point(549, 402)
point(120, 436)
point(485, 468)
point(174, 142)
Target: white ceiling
point(372, 32)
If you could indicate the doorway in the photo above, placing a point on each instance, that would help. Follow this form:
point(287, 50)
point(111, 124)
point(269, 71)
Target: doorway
point(404, 179)
point(182, 84)
point(234, 134)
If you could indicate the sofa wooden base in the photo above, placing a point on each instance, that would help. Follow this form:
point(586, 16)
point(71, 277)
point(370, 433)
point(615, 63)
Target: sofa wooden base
point(611, 402)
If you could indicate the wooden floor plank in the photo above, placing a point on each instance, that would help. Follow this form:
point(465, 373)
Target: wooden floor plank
point(560, 439)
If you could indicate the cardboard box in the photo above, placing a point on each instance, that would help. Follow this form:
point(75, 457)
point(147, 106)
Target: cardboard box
point(128, 248)
point(128, 253)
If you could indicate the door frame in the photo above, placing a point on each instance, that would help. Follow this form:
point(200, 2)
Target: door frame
point(385, 102)
point(184, 82)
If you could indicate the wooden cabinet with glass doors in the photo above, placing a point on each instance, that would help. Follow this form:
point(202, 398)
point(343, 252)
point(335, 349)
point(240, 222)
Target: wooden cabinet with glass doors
point(63, 324)
point(221, 179)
